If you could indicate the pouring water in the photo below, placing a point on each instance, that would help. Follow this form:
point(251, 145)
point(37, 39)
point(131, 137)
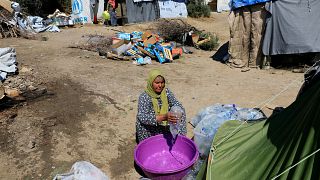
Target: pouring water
point(174, 128)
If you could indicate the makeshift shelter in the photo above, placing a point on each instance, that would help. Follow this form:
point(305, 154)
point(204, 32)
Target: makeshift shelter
point(292, 27)
point(142, 11)
point(285, 146)
point(173, 9)
point(223, 5)
point(149, 10)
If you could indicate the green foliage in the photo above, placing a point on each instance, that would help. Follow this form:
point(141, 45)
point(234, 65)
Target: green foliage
point(210, 45)
point(44, 7)
point(32, 7)
point(197, 10)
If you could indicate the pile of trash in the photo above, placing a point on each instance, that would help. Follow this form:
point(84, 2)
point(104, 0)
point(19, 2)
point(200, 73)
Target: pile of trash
point(14, 23)
point(7, 29)
point(60, 19)
point(7, 62)
point(17, 87)
point(94, 43)
point(143, 47)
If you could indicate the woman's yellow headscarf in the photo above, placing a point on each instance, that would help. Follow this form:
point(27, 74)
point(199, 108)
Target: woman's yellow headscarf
point(153, 74)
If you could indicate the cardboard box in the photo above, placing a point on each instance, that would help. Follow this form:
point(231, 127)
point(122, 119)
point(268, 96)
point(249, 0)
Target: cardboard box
point(115, 40)
point(195, 38)
point(121, 47)
point(146, 35)
point(176, 51)
point(152, 40)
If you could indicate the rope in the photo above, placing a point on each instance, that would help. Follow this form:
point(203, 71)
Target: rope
point(261, 105)
point(264, 103)
point(296, 164)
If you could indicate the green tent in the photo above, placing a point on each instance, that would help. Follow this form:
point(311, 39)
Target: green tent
point(285, 146)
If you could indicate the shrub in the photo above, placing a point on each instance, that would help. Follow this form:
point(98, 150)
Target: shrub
point(174, 29)
point(210, 45)
point(44, 7)
point(197, 10)
point(32, 7)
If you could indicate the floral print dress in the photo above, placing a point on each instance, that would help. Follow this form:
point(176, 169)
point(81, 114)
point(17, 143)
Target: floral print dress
point(146, 125)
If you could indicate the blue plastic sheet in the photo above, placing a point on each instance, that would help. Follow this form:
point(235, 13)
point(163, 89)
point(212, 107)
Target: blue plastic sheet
point(241, 3)
point(125, 36)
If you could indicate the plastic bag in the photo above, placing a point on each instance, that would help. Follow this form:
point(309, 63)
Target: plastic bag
point(208, 121)
point(82, 170)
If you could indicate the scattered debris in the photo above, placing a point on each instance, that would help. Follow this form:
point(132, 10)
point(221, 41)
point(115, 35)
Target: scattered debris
point(95, 43)
point(7, 62)
point(23, 86)
point(11, 93)
point(61, 19)
point(31, 144)
point(187, 51)
point(18, 24)
point(7, 29)
point(1, 90)
point(117, 57)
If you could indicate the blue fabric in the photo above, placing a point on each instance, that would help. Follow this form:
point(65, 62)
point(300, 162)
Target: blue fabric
point(241, 3)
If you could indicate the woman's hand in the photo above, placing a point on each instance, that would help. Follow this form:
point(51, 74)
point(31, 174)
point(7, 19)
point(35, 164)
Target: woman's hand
point(172, 118)
point(161, 118)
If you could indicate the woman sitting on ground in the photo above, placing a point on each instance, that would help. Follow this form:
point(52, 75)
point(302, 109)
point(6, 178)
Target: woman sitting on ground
point(153, 109)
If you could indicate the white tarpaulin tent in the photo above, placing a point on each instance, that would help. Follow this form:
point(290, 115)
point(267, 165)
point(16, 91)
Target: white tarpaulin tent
point(223, 5)
point(172, 9)
point(82, 10)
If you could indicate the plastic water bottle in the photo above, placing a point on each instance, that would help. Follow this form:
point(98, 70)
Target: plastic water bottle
point(174, 128)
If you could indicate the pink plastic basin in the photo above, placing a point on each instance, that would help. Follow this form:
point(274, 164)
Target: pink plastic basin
point(159, 159)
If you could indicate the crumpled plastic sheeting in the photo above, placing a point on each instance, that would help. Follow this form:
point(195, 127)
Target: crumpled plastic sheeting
point(36, 24)
point(7, 62)
point(208, 121)
point(32, 24)
point(82, 170)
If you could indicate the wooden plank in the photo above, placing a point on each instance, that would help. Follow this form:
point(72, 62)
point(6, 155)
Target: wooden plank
point(6, 4)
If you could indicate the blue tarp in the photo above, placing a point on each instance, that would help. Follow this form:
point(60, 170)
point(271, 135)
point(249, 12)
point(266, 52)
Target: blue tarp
point(241, 3)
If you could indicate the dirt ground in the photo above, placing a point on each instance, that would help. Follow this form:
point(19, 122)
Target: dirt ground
point(89, 109)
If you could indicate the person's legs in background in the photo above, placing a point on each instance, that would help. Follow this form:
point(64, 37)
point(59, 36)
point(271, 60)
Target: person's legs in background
point(246, 35)
point(258, 14)
point(235, 45)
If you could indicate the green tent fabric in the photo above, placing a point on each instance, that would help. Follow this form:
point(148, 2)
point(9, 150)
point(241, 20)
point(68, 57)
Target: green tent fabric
point(265, 149)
